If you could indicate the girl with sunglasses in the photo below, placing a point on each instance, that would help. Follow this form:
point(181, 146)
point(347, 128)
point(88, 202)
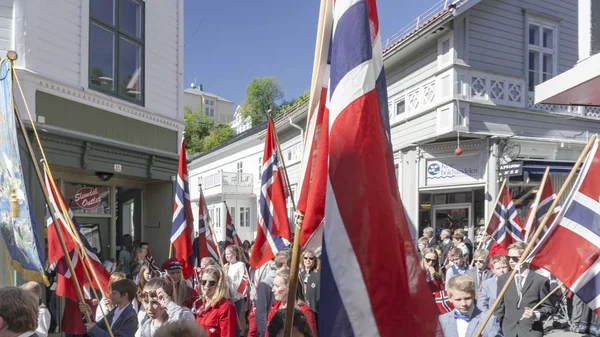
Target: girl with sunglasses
point(214, 312)
point(309, 275)
point(430, 265)
point(157, 300)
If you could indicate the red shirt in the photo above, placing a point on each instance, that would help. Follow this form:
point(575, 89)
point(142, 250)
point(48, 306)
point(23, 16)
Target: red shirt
point(219, 320)
point(306, 310)
point(189, 303)
point(435, 285)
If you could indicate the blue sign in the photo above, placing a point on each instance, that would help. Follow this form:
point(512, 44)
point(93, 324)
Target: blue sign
point(454, 170)
point(20, 232)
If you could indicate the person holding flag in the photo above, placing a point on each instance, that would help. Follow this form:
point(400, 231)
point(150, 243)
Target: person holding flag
point(235, 268)
point(204, 245)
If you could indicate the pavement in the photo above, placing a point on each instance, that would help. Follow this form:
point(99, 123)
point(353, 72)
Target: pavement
point(564, 334)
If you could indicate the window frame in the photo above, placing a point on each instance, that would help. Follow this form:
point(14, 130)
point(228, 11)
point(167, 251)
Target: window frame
point(116, 52)
point(554, 51)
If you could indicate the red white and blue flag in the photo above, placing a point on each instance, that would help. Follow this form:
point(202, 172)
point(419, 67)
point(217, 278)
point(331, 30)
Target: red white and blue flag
point(442, 300)
point(244, 284)
point(570, 249)
point(74, 241)
point(231, 236)
point(204, 245)
point(183, 220)
point(544, 199)
point(366, 238)
point(505, 226)
point(273, 231)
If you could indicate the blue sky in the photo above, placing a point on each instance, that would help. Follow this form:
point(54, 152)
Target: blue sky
point(227, 43)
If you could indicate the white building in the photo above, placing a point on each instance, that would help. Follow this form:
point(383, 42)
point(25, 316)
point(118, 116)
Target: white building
point(217, 108)
point(240, 124)
point(104, 81)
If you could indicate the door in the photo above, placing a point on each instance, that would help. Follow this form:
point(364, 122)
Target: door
point(97, 233)
point(453, 216)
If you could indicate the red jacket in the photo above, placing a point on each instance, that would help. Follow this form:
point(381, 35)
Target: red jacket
point(306, 310)
point(219, 320)
point(189, 303)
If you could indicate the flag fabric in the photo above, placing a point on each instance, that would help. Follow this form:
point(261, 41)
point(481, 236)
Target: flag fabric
point(244, 284)
point(442, 300)
point(505, 226)
point(366, 238)
point(231, 236)
point(543, 201)
point(75, 242)
point(183, 220)
point(273, 230)
point(570, 249)
point(204, 245)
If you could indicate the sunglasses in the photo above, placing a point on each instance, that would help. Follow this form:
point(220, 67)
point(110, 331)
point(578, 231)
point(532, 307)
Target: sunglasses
point(309, 258)
point(430, 260)
point(210, 283)
point(479, 261)
point(514, 258)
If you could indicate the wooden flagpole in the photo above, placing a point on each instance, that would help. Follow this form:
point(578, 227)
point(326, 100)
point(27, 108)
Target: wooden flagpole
point(490, 217)
point(539, 230)
point(538, 198)
point(12, 57)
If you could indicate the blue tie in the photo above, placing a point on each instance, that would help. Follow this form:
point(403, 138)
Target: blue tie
point(458, 315)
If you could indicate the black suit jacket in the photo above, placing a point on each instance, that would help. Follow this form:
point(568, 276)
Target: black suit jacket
point(535, 288)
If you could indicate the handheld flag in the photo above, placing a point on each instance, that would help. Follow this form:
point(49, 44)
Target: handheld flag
point(570, 249)
point(231, 236)
point(244, 284)
point(505, 226)
point(273, 231)
point(538, 210)
point(204, 244)
point(366, 238)
point(442, 300)
point(182, 227)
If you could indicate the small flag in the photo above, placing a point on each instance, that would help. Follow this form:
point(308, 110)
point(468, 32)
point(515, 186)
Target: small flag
point(443, 302)
point(231, 236)
point(505, 226)
point(542, 205)
point(204, 245)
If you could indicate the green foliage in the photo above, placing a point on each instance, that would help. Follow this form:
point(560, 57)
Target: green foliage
point(286, 105)
point(197, 127)
point(262, 94)
point(217, 136)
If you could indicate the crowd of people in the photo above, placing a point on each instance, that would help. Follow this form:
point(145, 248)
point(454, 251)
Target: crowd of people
point(473, 278)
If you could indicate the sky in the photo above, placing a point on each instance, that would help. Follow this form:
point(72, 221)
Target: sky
point(228, 43)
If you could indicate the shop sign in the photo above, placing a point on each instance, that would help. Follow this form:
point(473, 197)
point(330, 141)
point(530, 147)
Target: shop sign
point(88, 198)
point(454, 170)
point(512, 169)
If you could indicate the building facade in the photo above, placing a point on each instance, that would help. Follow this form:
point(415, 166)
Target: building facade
point(240, 124)
point(104, 84)
point(217, 108)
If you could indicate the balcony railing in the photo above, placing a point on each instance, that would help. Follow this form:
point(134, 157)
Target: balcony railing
point(228, 183)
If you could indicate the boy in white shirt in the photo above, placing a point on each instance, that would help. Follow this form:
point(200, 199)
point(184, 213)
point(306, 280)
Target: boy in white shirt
point(43, 312)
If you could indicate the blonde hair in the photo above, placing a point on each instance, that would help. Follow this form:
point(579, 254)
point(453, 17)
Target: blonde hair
point(222, 288)
point(456, 252)
point(317, 266)
point(34, 288)
point(483, 253)
point(285, 274)
point(143, 281)
point(438, 275)
point(499, 258)
point(114, 277)
point(462, 283)
point(182, 291)
point(283, 258)
point(519, 246)
point(208, 260)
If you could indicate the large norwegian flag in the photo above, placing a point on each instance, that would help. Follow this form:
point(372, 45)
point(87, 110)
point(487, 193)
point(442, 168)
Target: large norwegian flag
point(273, 232)
point(204, 244)
point(65, 283)
point(505, 226)
point(231, 235)
point(366, 238)
point(541, 206)
point(570, 249)
point(183, 220)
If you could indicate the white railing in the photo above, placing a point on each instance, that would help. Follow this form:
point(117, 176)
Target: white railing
point(479, 86)
point(227, 179)
point(584, 111)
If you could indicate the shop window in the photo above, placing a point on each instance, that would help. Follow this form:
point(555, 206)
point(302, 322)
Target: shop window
point(88, 199)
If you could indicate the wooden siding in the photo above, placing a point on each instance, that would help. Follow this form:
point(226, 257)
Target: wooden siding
point(6, 26)
point(417, 129)
point(414, 69)
point(538, 125)
point(497, 33)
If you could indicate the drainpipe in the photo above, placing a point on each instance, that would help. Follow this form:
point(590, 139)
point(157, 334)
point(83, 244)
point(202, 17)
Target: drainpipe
point(301, 132)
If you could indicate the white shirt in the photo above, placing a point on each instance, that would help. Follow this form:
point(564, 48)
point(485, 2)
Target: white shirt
point(523, 276)
point(43, 321)
point(236, 273)
point(462, 325)
point(118, 312)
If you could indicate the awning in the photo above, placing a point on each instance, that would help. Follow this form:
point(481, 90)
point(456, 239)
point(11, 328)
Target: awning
point(539, 167)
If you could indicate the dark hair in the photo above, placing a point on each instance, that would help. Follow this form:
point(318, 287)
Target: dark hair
point(144, 244)
point(278, 321)
point(19, 309)
point(125, 286)
point(183, 328)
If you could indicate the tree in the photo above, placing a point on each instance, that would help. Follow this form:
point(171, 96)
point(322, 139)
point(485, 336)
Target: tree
point(197, 127)
point(217, 136)
point(286, 105)
point(262, 94)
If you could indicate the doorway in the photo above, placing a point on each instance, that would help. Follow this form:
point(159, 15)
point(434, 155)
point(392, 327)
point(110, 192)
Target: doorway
point(452, 216)
point(97, 233)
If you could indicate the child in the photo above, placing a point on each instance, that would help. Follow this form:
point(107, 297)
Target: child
point(43, 312)
point(458, 266)
point(481, 272)
point(489, 287)
point(466, 319)
point(122, 318)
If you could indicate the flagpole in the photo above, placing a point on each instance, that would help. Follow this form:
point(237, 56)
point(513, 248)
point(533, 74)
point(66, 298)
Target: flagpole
point(212, 231)
point(539, 230)
point(538, 198)
point(490, 217)
point(12, 57)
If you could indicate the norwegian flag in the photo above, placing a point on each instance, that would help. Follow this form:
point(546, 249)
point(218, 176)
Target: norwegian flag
point(442, 300)
point(244, 284)
point(361, 213)
point(65, 282)
point(204, 245)
point(505, 226)
point(544, 199)
point(182, 227)
point(570, 249)
point(231, 236)
point(273, 231)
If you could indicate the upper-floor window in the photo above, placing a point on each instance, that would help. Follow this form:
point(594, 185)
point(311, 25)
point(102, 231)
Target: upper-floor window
point(212, 112)
point(116, 48)
point(542, 51)
point(240, 167)
point(206, 111)
point(400, 106)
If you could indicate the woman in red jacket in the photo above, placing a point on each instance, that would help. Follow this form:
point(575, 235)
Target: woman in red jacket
point(280, 292)
point(430, 265)
point(214, 312)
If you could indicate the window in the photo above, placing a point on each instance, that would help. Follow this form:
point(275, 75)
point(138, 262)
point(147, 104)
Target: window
point(232, 212)
point(116, 60)
point(206, 101)
point(400, 107)
point(206, 111)
point(247, 218)
point(290, 204)
point(217, 218)
point(212, 112)
point(541, 56)
point(244, 216)
point(259, 168)
point(240, 168)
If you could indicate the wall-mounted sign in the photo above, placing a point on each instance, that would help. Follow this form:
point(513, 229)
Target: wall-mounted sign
point(454, 170)
point(511, 169)
point(88, 198)
point(117, 168)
